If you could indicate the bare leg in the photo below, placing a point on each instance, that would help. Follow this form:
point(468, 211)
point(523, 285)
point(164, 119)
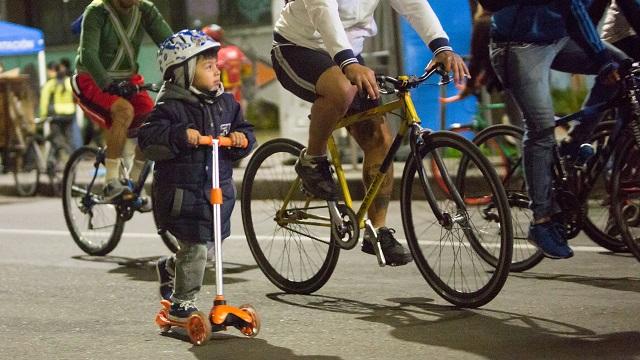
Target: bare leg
point(335, 94)
point(374, 138)
point(121, 116)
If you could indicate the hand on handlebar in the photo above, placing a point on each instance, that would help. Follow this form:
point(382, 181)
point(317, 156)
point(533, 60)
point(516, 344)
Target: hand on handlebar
point(364, 78)
point(238, 139)
point(193, 137)
point(122, 88)
point(451, 62)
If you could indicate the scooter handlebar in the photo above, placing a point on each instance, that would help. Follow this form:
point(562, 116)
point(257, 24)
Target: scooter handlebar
point(223, 141)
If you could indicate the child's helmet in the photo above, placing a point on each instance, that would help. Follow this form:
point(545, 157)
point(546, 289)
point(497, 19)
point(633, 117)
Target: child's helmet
point(182, 46)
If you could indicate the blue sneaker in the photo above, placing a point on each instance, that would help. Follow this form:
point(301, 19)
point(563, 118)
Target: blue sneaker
point(547, 238)
point(164, 268)
point(180, 311)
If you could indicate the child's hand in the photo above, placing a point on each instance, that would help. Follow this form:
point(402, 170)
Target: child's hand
point(237, 138)
point(192, 137)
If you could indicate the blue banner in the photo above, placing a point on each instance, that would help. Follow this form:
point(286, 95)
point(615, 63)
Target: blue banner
point(19, 40)
point(455, 17)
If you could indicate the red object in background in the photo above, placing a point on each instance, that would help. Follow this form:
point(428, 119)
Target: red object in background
point(234, 66)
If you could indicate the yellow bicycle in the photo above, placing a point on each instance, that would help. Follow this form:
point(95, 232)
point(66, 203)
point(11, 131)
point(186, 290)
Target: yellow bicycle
point(462, 250)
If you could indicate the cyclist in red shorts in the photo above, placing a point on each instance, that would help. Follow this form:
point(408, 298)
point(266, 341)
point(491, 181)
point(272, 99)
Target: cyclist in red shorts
point(107, 75)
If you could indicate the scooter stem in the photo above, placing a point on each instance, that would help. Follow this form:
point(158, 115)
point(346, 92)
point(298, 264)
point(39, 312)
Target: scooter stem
point(216, 201)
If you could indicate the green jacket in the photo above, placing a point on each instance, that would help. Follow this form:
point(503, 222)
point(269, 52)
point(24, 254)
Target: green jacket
point(101, 52)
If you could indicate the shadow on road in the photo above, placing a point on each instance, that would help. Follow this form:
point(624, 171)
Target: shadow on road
point(631, 284)
point(143, 269)
point(230, 347)
point(489, 333)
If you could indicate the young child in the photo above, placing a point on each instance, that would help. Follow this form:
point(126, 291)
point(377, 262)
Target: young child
point(191, 103)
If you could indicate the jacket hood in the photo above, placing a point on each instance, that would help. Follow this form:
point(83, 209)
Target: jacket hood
point(171, 91)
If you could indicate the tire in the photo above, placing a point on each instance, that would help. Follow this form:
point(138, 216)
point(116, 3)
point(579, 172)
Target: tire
point(508, 165)
point(26, 170)
point(312, 265)
point(625, 193)
point(596, 222)
point(58, 157)
point(167, 238)
point(460, 241)
point(80, 218)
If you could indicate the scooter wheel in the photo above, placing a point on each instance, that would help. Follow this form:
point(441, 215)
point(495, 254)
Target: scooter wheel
point(198, 328)
point(254, 328)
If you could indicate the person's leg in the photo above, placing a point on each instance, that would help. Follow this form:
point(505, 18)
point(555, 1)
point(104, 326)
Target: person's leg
point(190, 262)
point(314, 77)
point(374, 138)
point(528, 68)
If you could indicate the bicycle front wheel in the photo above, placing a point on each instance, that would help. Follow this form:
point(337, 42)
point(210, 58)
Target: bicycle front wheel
point(26, 172)
point(450, 261)
point(94, 224)
point(294, 249)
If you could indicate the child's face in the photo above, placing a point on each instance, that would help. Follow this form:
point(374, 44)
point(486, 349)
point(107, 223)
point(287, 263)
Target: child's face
point(207, 76)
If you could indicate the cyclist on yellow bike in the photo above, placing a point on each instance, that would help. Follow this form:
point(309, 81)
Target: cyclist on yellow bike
point(107, 77)
point(316, 56)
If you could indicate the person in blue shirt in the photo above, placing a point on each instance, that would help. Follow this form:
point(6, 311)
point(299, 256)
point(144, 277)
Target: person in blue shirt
point(527, 42)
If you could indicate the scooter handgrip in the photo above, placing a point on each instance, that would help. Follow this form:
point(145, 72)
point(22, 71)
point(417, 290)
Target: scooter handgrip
point(226, 141)
point(205, 140)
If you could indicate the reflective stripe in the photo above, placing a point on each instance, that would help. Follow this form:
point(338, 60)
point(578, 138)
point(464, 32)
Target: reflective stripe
point(124, 36)
point(292, 74)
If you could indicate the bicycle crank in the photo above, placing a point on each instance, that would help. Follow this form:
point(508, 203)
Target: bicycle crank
point(344, 225)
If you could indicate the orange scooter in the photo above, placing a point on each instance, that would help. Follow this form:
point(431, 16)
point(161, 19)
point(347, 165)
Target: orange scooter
point(199, 326)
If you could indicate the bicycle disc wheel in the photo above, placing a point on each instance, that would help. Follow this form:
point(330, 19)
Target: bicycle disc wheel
point(294, 248)
point(598, 221)
point(625, 193)
point(26, 172)
point(450, 262)
point(502, 146)
point(94, 225)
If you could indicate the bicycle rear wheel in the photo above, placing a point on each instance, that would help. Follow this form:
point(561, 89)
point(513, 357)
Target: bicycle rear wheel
point(26, 172)
point(294, 249)
point(625, 193)
point(94, 225)
point(451, 262)
point(507, 162)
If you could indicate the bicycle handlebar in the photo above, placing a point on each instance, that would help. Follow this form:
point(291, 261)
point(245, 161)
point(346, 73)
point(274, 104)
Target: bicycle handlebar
point(223, 141)
point(408, 82)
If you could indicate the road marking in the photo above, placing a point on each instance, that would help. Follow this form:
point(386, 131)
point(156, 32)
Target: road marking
point(578, 248)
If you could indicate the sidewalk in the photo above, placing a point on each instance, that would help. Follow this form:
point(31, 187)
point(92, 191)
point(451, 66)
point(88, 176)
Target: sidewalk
point(353, 175)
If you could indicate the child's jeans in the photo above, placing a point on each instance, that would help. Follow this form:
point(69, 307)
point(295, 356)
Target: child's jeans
point(191, 260)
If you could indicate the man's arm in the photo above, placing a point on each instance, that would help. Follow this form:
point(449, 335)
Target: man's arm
point(154, 23)
point(585, 33)
point(425, 22)
point(89, 51)
point(325, 18)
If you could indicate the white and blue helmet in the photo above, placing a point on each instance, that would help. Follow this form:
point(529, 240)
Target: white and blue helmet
point(182, 47)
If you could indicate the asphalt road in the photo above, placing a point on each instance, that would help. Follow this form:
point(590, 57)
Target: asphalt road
point(58, 303)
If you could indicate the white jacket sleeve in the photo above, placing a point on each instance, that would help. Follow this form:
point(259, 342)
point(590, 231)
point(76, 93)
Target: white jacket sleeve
point(425, 22)
point(325, 18)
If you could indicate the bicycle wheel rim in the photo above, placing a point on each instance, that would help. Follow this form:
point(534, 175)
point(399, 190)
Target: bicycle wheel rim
point(444, 262)
point(26, 173)
point(96, 228)
point(625, 190)
point(291, 261)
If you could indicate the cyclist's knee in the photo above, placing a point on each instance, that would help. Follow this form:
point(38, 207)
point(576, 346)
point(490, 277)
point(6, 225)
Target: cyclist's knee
point(342, 95)
point(122, 113)
point(542, 138)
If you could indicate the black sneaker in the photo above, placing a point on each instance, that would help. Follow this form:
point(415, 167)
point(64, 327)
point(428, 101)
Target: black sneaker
point(164, 268)
point(180, 311)
point(394, 253)
point(316, 177)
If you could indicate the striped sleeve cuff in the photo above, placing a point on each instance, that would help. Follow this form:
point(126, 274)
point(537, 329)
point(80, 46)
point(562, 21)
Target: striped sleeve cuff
point(344, 58)
point(439, 45)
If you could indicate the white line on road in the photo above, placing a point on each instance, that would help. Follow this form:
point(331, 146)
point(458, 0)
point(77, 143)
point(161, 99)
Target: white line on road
point(594, 249)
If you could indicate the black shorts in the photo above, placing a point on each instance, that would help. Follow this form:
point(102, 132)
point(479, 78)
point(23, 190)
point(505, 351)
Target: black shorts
point(299, 68)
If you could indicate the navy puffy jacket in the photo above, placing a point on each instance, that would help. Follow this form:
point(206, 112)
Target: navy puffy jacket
point(182, 173)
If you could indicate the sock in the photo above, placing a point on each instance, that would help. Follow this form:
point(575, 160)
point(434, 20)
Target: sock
point(309, 159)
point(113, 169)
point(136, 169)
